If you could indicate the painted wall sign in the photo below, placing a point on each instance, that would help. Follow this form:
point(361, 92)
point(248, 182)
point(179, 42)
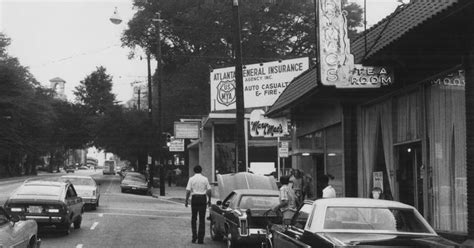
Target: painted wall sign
point(335, 58)
point(260, 126)
point(263, 84)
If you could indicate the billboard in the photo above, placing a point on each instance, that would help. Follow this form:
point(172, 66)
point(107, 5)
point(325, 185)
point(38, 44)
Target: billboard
point(263, 83)
point(186, 130)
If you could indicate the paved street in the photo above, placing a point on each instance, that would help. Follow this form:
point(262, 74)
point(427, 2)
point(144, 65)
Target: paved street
point(125, 220)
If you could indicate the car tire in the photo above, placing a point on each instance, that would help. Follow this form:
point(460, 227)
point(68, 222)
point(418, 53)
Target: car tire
point(32, 243)
point(65, 228)
point(212, 229)
point(77, 222)
point(94, 206)
point(231, 242)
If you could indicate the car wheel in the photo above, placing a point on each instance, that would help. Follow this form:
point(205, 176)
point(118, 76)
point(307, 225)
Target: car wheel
point(123, 191)
point(215, 235)
point(65, 228)
point(77, 222)
point(94, 207)
point(33, 242)
point(231, 242)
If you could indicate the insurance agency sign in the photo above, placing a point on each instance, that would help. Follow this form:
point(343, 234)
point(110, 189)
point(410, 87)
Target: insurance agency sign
point(263, 83)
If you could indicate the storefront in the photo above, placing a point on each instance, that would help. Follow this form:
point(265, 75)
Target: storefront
point(408, 138)
point(416, 138)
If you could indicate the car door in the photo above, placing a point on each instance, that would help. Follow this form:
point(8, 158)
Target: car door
point(12, 234)
point(73, 201)
point(221, 210)
point(293, 234)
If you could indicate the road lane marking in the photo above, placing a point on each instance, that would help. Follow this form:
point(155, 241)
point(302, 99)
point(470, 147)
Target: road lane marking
point(79, 246)
point(149, 210)
point(94, 225)
point(149, 215)
point(101, 215)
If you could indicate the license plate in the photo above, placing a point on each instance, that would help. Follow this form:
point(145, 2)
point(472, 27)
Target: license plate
point(35, 209)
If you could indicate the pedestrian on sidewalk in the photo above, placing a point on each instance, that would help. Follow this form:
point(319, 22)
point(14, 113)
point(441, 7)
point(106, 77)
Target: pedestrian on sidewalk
point(198, 188)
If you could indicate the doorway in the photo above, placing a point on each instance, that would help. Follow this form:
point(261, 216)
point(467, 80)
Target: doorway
point(410, 175)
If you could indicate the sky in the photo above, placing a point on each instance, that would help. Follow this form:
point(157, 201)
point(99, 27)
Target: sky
point(70, 38)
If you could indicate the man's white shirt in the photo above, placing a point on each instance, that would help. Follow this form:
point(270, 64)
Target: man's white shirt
point(198, 184)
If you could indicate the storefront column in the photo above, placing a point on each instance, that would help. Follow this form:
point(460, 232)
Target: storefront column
point(349, 129)
point(469, 91)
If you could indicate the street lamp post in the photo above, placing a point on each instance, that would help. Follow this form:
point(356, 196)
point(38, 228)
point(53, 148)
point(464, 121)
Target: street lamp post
point(241, 163)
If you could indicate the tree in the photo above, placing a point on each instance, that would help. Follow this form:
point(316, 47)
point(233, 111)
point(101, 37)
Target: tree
point(94, 92)
point(197, 35)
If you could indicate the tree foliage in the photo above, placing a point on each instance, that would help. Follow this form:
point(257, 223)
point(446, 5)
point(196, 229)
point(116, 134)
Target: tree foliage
point(95, 92)
point(198, 35)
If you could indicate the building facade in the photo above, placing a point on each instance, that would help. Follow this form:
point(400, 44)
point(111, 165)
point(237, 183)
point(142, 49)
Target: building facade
point(408, 137)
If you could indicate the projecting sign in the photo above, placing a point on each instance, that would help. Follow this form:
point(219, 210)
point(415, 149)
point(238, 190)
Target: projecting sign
point(263, 83)
point(260, 126)
point(336, 61)
point(177, 145)
point(186, 130)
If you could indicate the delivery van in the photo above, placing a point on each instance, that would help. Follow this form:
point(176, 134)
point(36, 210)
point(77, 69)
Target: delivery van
point(109, 167)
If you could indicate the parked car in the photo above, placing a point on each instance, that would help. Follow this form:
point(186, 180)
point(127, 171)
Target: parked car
point(239, 217)
point(357, 222)
point(49, 203)
point(18, 233)
point(82, 167)
point(87, 188)
point(134, 182)
point(69, 168)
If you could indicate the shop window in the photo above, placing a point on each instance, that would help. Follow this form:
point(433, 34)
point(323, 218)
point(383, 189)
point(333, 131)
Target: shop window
point(224, 149)
point(305, 141)
point(334, 158)
point(447, 157)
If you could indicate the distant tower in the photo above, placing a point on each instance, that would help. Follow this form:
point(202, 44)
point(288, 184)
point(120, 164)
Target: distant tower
point(57, 84)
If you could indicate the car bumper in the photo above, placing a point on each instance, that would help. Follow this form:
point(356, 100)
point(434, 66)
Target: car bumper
point(134, 188)
point(255, 235)
point(46, 219)
point(89, 200)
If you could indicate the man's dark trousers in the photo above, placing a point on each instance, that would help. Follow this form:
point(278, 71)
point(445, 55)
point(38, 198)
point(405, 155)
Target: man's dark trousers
point(198, 206)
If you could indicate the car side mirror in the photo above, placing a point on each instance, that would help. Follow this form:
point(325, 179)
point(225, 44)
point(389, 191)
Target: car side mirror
point(218, 203)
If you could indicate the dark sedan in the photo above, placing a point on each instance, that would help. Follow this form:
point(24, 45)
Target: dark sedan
point(357, 222)
point(49, 203)
point(239, 217)
point(134, 182)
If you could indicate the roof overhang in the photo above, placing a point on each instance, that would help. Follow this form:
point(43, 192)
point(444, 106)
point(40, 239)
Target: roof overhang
point(221, 118)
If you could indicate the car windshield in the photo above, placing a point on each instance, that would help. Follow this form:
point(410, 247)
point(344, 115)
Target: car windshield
point(34, 189)
point(81, 181)
point(258, 202)
point(381, 219)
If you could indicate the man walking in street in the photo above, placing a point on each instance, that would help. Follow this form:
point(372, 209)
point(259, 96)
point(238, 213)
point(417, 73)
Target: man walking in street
point(198, 187)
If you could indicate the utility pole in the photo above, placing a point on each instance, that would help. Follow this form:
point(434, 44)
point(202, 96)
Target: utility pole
point(150, 159)
point(159, 123)
point(139, 96)
point(241, 164)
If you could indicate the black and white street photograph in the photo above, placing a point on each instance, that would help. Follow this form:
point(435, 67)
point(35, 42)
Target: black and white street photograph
point(236, 123)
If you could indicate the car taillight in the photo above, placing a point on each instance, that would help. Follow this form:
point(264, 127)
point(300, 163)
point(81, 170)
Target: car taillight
point(17, 210)
point(243, 227)
point(52, 210)
point(93, 193)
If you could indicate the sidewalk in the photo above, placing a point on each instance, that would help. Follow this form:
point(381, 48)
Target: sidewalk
point(174, 193)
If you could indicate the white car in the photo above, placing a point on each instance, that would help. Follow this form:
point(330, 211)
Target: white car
point(17, 233)
point(86, 188)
